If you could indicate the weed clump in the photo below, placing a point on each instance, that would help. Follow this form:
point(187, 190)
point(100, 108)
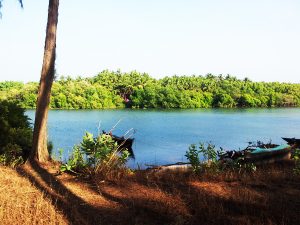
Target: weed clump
point(204, 158)
point(101, 156)
point(209, 156)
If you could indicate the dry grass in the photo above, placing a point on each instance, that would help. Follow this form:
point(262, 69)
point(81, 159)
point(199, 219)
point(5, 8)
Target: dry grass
point(269, 196)
point(22, 203)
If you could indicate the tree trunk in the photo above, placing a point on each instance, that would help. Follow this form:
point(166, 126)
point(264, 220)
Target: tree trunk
point(39, 143)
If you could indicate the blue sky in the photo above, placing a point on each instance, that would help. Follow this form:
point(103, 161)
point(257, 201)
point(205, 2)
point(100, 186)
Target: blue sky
point(258, 39)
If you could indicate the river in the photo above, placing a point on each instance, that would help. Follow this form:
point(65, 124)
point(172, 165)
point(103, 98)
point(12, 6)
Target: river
point(163, 136)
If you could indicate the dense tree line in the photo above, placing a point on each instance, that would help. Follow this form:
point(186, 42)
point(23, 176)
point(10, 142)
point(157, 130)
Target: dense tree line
point(138, 90)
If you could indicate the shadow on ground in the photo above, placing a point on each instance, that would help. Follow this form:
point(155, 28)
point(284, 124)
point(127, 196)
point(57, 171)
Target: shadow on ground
point(269, 197)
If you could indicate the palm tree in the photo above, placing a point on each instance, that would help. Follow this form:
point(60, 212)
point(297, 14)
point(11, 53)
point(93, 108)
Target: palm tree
point(39, 145)
point(20, 1)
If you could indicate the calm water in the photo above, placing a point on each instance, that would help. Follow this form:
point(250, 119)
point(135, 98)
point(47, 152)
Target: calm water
point(163, 136)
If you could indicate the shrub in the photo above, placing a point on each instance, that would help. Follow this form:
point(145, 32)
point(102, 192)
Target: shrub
point(210, 162)
point(75, 163)
point(209, 155)
point(239, 166)
point(15, 134)
point(193, 157)
point(296, 157)
point(97, 155)
point(11, 155)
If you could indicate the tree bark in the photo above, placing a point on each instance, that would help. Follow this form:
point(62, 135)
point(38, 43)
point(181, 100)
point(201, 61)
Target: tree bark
point(39, 143)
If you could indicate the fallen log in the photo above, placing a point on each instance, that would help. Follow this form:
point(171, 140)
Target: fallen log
point(180, 166)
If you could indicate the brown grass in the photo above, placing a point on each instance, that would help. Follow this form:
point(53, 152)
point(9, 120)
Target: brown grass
point(22, 203)
point(269, 196)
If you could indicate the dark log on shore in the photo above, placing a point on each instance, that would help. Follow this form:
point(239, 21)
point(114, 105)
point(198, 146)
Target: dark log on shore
point(180, 166)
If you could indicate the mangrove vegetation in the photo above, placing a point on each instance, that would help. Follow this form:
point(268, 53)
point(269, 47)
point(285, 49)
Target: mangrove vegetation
point(114, 89)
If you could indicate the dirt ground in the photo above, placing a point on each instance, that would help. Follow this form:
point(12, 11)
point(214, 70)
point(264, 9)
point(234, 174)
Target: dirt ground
point(271, 195)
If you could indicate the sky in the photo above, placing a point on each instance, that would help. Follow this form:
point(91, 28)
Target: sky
point(258, 39)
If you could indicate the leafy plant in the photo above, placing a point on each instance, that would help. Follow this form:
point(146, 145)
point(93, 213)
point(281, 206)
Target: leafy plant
point(98, 155)
point(76, 162)
point(11, 155)
point(238, 165)
point(15, 134)
point(208, 153)
point(210, 161)
point(243, 167)
point(193, 157)
point(296, 157)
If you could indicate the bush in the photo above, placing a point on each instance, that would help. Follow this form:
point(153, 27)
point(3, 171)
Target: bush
point(15, 134)
point(239, 166)
point(210, 162)
point(209, 155)
point(296, 157)
point(11, 155)
point(193, 157)
point(100, 155)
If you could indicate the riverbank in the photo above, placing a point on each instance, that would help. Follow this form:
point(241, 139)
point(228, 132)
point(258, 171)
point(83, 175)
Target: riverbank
point(268, 196)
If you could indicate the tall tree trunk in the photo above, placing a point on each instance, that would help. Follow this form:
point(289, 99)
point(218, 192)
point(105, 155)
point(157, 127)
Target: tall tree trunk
point(39, 144)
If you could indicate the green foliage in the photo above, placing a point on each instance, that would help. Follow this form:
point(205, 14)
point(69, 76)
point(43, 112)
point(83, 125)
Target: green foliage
point(296, 157)
point(76, 162)
point(99, 155)
point(15, 134)
point(239, 166)
point(209, 155)
point(210, 162)
point(223, 101)
point(111, 89)
point(193, 156)
point(11, 155)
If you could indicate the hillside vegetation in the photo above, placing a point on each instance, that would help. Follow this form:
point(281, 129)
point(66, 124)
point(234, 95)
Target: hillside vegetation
point(138, 90)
